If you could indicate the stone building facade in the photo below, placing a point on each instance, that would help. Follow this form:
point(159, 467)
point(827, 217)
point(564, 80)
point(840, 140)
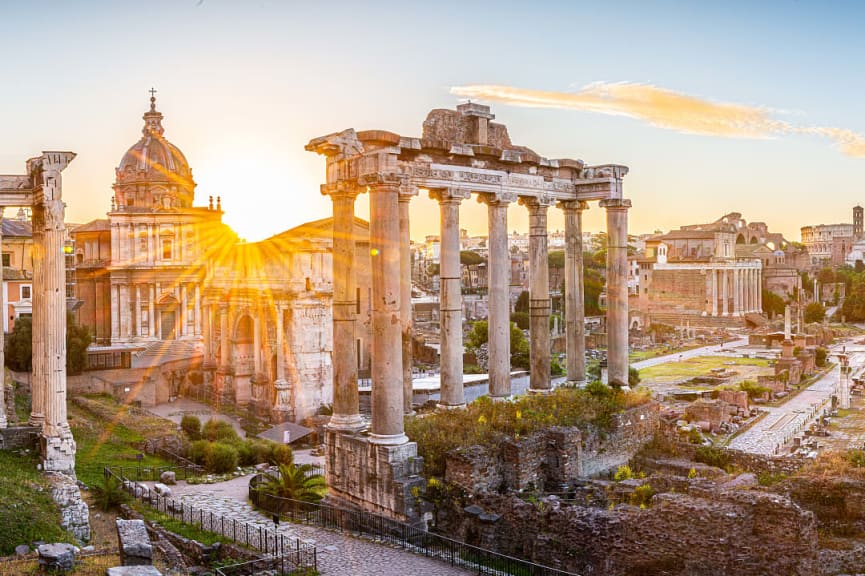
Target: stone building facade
point(167, 279)
point(828, 244)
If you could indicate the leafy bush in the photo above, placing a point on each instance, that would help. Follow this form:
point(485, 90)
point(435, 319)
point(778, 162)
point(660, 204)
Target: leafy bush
point(220, 458)
point(198, 451)
point(642, 496)
point(633, 377)
point(753, 389)
point(521, 319)
point(713, 456)
point(191, 426)
point(281, 454)
point(260, 451)
point(814, 312)
point(219, 430)
point(624, 472)
point(245, 456)
point(820, 355)
point(695, 436)
point(296, 483)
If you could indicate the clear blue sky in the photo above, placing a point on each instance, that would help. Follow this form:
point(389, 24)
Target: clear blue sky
point(244, 85)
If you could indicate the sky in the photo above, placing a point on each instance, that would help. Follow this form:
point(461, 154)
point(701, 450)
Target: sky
point(753, 107)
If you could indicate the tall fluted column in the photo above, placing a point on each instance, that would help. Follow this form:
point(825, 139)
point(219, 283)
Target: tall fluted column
point(58, 444)
point(37, 298)
point(617, 289)
point(197, 308)
point(498, 289)
point(725, 299)
point(282, 409)
point(759, 290)
point(346, 412)
point(450, 303)
point(714, 291)
point(539, 294)
point(387, 403)
point(3, 422)
point(405, 299)
point(737, 295)
point(574, 299)
point(151, 311)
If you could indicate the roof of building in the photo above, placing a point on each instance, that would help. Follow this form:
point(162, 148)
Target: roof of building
point(320, 229)
point(14, 227)
point(686, 235)
point(98, 225)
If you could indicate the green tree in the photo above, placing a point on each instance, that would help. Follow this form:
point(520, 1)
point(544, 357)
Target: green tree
point(814, 312)
point(519, 348)
point(825, 276)
point(522, 304)
point(773, 305)
point(109, 493)
point(521, 319)
point(469, 258)
point(295, 483)
point(19, 346)
point(820, 355)
point(479, 335)
point(593, 285)
point(556, 259)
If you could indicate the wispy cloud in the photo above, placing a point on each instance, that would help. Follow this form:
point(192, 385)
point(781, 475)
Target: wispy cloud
point(666, 109)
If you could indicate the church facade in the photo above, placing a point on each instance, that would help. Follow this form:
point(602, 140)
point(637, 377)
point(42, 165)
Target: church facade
point(167, 281)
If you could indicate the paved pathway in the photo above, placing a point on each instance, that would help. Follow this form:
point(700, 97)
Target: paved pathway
point(338, 554)
point(784, 422)
point(713, 350)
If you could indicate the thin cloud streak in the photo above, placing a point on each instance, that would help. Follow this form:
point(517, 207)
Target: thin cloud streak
point(666, 109)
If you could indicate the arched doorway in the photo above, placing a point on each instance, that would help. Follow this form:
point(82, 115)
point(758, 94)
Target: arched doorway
point(168, 318)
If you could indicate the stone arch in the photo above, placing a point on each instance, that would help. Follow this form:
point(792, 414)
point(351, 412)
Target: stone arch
point(244, 345)
point(753, 240)
point(740, 239)
point(169, 317)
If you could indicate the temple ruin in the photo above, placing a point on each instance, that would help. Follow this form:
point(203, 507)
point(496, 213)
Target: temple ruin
point(460, 153)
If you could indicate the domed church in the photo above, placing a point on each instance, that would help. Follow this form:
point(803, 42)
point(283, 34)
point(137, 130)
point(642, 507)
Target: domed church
point(168, 289)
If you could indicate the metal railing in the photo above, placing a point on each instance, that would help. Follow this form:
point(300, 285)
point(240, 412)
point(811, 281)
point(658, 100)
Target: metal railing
point(286, 554)
point(383, 529)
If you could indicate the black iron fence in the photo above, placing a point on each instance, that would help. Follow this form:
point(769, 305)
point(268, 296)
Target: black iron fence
point(396, 533)
point(286, 555)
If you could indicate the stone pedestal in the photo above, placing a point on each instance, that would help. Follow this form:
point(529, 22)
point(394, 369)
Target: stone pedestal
point(282, 408)
point(223, 390)
point(58, 453)
point(134, 543)
point(378, 478)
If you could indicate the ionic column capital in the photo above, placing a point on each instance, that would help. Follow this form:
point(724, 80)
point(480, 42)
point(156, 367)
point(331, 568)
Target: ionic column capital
point(572, 205)
point(344, 189)
point(614, 204)
point(383, 181)
point(497, 198)
point(450, 195)
point(537, 202)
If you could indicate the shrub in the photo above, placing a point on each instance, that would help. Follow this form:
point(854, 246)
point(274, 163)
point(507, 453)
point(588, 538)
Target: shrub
point(753, 389)
point(261, 451)
point(109, 494)
point(198, 451)
point(624, 472)
point(642, 495)
point(633, 377)
point(820, 355)
point(220, 458)
point(695, 436)
point(245, 454)
point(191, 426)
point(281, 454)
point(521, 319)
point(713, 456)
point(216, 430)
point(814, 312)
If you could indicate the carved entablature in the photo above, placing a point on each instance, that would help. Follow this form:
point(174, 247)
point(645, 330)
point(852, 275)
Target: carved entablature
point(343, 144)
point(15, 183)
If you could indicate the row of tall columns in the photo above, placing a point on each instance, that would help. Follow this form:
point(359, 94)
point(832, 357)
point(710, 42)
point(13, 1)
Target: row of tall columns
point(539, 294)
point(498, 289)
point(745, 286)
point(452, 393)
point(126, 242)
point(574, 298)
point(127, 313)
point(617, 290)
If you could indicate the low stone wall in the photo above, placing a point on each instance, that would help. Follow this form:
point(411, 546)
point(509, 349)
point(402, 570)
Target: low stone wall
point(74, 514)
point(374, 477)
point(742, 533)
point(602, 453)
point(838, 502)
point(20, 438)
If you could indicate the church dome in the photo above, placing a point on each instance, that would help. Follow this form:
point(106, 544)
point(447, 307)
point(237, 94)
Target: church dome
point(154, 172)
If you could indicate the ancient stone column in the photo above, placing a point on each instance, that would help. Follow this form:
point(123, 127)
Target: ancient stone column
point(725, 300)
point(714, 291)
point(737, 299)
point(58, 445)
point(151, 308)
point(405, 297)
point(617, 289)
point(498, 289)
point(197, 308)
point(37, 298)
point(346, 413)
point(3, 422)
point(759, 290)
point(387, 379)
point(539, 294)
point(451, 300)
point(574, 299)
point(282, 409)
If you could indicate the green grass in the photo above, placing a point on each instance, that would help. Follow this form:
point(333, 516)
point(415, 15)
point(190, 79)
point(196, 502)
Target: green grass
point(171, 524)
point(103, 444)
point(27, 512)
point(699, 366)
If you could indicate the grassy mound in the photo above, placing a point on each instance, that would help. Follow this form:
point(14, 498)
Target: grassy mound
point(27, 512)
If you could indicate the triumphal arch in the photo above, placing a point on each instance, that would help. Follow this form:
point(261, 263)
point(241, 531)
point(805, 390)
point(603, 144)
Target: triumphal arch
point(461, 153)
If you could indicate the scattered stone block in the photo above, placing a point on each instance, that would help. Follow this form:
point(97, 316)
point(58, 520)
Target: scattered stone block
point(133, 571)
point(168, 477)
point(134, 543)
point(162, 490)
point(56, 557)
point(263, 467)
point(22, 549)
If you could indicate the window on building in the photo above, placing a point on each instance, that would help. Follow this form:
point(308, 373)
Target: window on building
point(142, 244)
point(166, 249)
point(70, 290)
point(7, 259)
point(25, 291)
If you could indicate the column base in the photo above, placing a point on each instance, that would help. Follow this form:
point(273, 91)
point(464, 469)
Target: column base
point(3, 422)
point(540, 390)
point(578, 383)
point(446, 407)
point(387, 439)
point(36, 420)
point(58, 453)
point(499, 398)
point(346, 423)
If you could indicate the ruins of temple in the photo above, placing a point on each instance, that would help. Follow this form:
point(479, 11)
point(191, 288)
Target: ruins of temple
point(459, 154)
